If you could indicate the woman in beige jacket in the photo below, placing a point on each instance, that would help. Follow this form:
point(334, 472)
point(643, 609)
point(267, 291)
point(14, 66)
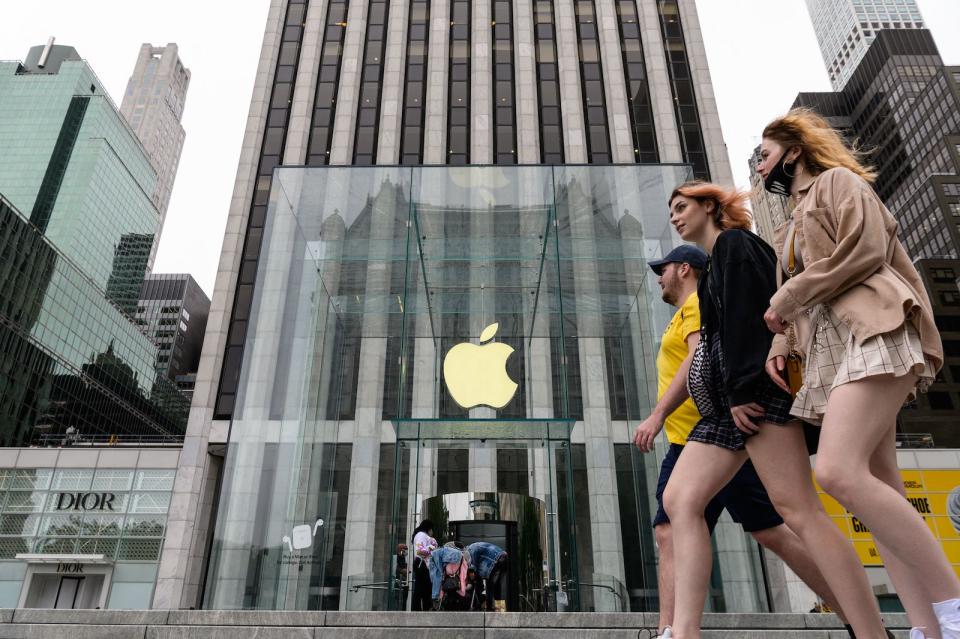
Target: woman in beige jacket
point(852, 303)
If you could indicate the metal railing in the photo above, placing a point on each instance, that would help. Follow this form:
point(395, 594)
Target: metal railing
point(98, 440)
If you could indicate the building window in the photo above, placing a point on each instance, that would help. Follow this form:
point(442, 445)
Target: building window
point(591, 79)
point(328, 81)
point(504, 92)
point(635, 79)
point(278, 117)
point(458, 110)
point(548, 82)
point(681, 83)
point(371, 83)
point(415, 91)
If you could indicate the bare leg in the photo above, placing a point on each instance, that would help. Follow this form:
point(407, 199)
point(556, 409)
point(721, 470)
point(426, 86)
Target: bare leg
point(665, 574)
point(701, 471)
point(857, 423)
point(911, 589)
point(779, 454)
point(787, 545)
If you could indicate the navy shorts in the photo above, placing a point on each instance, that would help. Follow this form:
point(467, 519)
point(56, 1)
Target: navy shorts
point(744, 497)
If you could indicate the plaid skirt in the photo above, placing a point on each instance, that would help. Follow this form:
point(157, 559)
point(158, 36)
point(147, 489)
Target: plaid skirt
point(835, 358)
point(706, 387)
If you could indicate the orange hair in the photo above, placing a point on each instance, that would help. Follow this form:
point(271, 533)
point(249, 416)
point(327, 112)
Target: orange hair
point(730, 204)
point(821, 145)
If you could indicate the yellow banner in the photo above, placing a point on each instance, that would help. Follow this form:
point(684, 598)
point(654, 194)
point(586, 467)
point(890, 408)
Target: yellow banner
point(935, 494)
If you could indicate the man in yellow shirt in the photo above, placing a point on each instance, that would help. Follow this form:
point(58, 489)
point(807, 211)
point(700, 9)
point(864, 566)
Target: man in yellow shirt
point(744, 497)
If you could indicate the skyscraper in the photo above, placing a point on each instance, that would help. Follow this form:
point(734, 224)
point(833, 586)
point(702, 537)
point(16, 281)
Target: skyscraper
point(902, 106)
point(71, 164)
point(153, 105)
point(846, 28)
point(416, 176)
point(173, 311)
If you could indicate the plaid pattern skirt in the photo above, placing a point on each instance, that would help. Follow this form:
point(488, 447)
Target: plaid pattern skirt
point(834, 358)
point(705, 384)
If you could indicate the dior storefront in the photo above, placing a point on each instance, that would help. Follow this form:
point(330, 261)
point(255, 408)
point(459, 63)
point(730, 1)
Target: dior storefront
point(82, 527)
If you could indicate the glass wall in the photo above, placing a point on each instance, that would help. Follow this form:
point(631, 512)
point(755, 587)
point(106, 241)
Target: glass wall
point(425, 332)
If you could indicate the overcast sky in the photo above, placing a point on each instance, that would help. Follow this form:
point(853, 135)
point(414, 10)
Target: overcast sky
point(761, 54)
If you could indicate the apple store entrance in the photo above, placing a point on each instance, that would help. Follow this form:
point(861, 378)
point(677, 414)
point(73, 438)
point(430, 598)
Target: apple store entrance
point(468, 344)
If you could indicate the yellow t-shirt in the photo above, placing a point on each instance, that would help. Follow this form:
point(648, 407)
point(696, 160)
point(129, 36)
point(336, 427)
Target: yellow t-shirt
point(673, 350)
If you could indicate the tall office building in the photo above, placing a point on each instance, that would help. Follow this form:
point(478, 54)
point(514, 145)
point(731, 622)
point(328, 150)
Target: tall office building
point(173, 311)
point(90, 432)
point(902, 105)
point(153, 105)
point(416, 176)
point(845, 30)
point(71, 164)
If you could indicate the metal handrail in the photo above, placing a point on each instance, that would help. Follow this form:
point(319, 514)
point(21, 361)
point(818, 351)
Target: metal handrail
point(605, 587)
point(373, 585)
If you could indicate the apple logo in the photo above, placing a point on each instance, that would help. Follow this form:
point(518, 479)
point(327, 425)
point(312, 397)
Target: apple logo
point(477, 375)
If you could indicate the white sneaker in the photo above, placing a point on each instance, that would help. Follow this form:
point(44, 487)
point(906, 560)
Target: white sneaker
point(668, 633)
point(948, 614)
point(917, 633)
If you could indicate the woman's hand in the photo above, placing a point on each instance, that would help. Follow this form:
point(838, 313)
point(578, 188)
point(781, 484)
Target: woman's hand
point(774, 368)
point(775, 323)
point(744, 414)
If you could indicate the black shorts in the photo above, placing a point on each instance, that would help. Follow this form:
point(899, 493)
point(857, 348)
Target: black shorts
point(744, 497)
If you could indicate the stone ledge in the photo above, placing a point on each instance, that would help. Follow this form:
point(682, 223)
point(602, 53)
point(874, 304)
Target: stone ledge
point(65, 631)
point(407, 619)
point(85, 616)
point(294, 618)
point(227, 632)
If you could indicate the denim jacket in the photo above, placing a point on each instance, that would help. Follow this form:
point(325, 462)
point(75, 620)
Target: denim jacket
point(438, 559)
point(484, 557)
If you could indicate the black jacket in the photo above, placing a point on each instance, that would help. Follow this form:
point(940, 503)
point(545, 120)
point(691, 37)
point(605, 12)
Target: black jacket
point(735, 291)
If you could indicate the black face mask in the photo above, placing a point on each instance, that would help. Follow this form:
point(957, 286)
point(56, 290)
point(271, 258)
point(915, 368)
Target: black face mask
point(780, 179)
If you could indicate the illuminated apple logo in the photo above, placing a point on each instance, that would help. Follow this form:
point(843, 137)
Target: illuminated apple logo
point(477, 375)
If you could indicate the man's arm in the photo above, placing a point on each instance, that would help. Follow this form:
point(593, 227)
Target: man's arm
point(673, 397)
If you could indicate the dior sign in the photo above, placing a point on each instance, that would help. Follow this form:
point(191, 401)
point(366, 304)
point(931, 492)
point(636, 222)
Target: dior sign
point(85, 501)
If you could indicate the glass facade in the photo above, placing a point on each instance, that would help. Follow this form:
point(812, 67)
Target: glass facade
point(75, 169)
point(366, 400)
point(635, 79)
point(548, 82)
point(591, 79)
point(504, 91)
point(415, 88)
point(458, 87)
point(368, 116)
point(681, 83)
point(69, 357)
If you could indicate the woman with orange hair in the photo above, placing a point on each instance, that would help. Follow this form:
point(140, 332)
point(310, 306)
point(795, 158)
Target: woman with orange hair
point(871, 343)
point(743, 412)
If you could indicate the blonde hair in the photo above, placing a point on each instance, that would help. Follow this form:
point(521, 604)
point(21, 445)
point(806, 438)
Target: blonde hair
point(730, 207)
point(821, 145)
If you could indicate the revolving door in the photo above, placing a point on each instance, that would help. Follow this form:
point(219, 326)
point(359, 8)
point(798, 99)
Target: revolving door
point(533, 525)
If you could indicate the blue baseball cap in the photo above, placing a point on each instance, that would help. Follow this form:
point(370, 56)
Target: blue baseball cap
point(683, 254)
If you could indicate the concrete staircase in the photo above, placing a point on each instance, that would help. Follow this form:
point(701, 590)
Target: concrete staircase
point(209, 624)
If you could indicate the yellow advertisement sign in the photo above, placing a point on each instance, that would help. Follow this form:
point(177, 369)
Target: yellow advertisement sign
point(935, 494)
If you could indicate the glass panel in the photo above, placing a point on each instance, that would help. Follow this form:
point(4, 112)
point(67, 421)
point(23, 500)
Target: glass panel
point(70, 479)
point(462, 322)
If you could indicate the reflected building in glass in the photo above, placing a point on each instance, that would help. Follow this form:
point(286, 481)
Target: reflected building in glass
point(434, 302)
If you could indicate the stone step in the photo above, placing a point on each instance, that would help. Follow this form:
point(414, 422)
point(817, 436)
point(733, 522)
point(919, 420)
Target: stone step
point(215, 624)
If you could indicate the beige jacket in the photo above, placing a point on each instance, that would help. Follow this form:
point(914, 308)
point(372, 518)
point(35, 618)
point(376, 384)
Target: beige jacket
point(853, 260)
